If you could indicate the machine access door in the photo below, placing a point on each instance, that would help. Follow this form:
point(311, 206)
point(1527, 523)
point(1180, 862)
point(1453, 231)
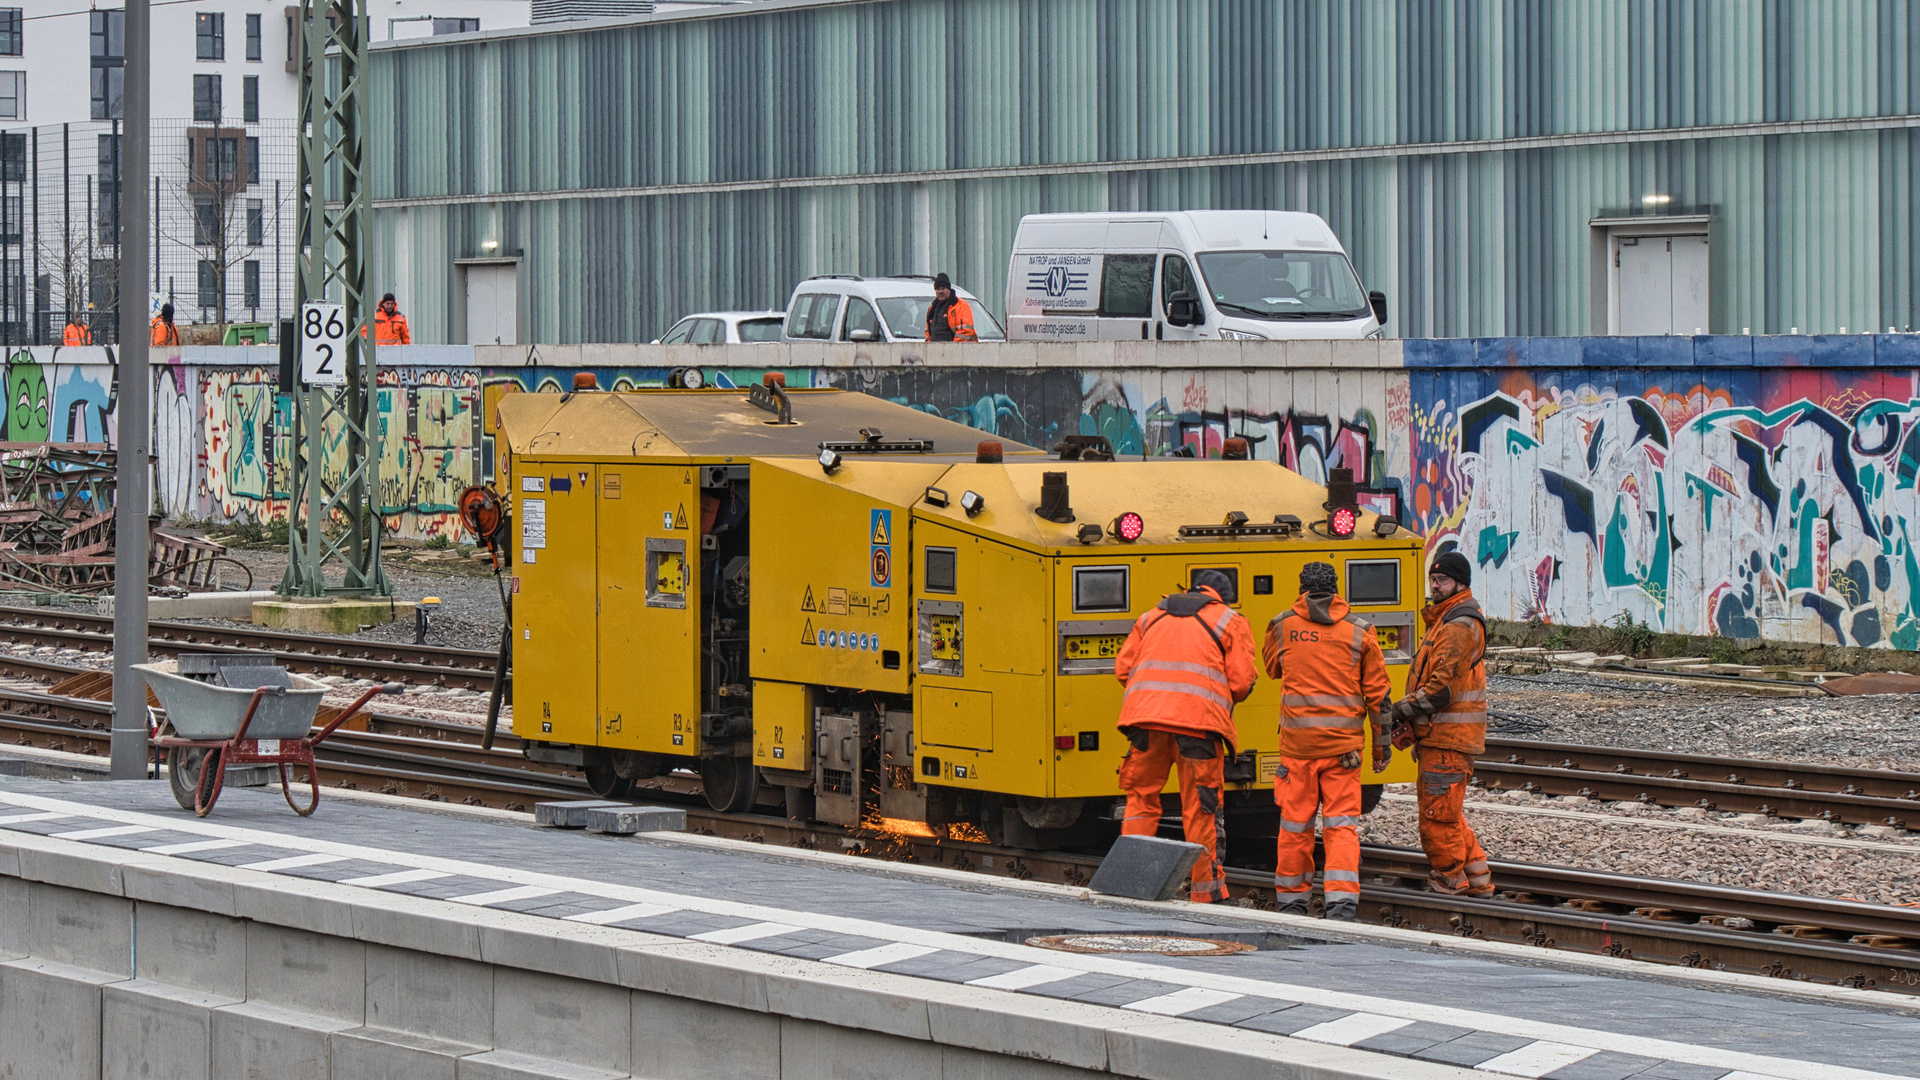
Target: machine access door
point(553, 658)
point(649, 599)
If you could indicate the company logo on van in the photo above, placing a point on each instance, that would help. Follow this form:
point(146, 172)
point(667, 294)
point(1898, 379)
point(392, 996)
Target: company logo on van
point(1056, 281)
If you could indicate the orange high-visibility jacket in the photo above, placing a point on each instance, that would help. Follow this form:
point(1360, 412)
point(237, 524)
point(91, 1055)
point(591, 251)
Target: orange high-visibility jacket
point(77, 334)
point(1332, 676)
point(955, 324)
point(1185, 674)
point(390, 331)
point(164, 333)
point(1449, 677)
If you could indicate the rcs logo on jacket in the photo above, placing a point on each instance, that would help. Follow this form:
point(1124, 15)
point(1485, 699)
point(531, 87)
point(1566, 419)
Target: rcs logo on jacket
point(1303, 635)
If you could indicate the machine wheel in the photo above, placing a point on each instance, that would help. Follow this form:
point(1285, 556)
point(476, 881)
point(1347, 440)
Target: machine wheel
point(602, 779)
point(1370, 796)
point(730, 783)
point(184, 767)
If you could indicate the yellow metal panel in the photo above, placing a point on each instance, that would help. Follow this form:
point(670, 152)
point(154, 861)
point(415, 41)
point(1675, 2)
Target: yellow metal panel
point(953, 718)
point(554, 689)
point(782, 726)
point(649, 608)
point(830, 572)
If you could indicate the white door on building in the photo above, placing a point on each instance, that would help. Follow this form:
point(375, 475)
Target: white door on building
point(1662, 285)
point(493, 304)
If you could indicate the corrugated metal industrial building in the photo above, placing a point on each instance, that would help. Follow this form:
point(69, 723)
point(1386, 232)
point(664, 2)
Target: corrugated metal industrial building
point(1496, 166)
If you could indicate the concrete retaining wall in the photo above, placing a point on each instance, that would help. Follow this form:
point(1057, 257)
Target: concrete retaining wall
point(1742, 486)
point(125, 965)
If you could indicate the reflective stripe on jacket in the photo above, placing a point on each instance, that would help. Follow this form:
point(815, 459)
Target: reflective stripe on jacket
point(1186, 674)
point(77, 334)
point(390, 331)
point(1332, 675)
point(163, 333)
point(952, 322)
point(1450, 673)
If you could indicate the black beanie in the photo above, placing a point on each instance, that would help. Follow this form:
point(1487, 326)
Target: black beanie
point(1319, 579)
point(1215, 580)
point(1454, 565)
point(941, 281)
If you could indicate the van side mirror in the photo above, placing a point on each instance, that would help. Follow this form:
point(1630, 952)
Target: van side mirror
point(1183, 309)
point(1378, 300)
point(862, 335)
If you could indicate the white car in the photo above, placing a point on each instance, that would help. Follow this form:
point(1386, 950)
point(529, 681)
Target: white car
point(724, 328)
point(847, 307)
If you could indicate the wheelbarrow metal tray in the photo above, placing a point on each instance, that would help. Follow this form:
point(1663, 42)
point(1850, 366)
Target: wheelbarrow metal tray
point(205, 712)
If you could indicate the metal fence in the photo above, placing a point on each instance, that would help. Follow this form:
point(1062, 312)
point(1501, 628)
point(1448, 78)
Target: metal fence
point(223, 221)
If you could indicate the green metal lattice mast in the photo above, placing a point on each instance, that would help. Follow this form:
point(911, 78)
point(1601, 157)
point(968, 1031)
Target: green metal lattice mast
point(334, 517)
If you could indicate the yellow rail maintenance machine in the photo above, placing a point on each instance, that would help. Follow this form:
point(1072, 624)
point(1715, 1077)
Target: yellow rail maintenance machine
point(845, 602)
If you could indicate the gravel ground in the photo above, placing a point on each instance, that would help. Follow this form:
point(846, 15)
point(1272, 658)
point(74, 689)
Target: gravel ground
point(1877, 732)
point(1810, 859)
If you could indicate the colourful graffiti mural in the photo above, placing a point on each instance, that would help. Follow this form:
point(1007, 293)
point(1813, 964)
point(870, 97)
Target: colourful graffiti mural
point(1776, 504)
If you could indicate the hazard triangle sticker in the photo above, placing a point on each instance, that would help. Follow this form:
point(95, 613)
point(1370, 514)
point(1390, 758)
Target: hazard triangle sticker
point(807, 604)
point(806, 635)
point(680, 517)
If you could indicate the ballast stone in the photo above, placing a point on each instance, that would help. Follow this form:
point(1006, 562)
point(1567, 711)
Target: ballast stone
point(1146, 868)
point(627, 820)
point(570, 814)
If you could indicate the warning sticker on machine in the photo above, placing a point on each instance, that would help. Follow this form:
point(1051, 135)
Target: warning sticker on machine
point(836, 601)
point(806, 635)
point(533, 524)
point(881, 563)
point(807, 604)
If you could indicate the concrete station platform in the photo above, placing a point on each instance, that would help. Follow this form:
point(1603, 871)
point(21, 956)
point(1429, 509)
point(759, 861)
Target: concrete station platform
point(382, 938)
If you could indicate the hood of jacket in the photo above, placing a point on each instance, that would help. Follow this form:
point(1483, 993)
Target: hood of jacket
point(1325, 610)
point(1433, 614)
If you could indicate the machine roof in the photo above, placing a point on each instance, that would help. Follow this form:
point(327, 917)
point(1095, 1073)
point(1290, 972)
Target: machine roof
point(614, 425)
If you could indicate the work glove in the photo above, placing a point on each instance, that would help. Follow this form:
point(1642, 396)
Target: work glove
point(1350, 759)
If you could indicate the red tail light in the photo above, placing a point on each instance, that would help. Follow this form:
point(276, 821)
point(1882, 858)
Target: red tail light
point(1129, 526)
point(1342, 521)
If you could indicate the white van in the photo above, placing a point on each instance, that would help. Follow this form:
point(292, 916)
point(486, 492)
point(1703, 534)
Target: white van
point(1235, 274)
point(848, 307)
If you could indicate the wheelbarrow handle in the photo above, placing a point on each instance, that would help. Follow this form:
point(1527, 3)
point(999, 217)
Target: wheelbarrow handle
point(253, 704)
point(352, 710)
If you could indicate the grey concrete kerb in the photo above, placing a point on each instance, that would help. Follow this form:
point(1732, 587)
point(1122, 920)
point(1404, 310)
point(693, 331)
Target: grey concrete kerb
point(969, 1018)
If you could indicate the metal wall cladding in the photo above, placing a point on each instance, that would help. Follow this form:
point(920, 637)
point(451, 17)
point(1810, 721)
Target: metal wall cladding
point(1460, 147)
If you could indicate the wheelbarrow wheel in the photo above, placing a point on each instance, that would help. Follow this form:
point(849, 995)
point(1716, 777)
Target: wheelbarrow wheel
point(185, 766)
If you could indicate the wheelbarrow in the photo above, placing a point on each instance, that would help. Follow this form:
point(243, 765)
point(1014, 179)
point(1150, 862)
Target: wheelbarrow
point(227, 711)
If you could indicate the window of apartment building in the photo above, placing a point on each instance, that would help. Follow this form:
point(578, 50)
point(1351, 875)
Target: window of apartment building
point(12, 218)
point(250, 282)
point(13, 157)
point(455, 26)
point(256, 222)
point(220, 160)
point(206, 97)
point(209, 283)
point(250, 99)
point(107, 162)
point(210, 36)
point(253, 159)
point(206, 224)
point(109, 30)
point(13, 95)
point(253, 37)
point(12, 27)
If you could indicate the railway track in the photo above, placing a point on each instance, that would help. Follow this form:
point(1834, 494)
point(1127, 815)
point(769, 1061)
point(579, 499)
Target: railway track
point(352, 658)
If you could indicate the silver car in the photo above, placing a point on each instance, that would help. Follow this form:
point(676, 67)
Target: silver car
point(724, 328)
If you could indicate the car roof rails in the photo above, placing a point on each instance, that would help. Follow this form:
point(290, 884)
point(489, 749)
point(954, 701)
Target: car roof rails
point(908, 277)
point(836, 277)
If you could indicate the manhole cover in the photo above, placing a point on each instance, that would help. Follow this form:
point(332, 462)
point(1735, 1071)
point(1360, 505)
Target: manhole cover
point(1139, 943)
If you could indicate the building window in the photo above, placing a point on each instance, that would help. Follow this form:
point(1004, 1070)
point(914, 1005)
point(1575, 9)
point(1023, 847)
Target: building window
point(206, 224)
point(13, 157)
point(13, 95)
point(253, 37)
point(222, 160)
point(455, 26)
point(107, 158)
point(12, 218)
point(210, 35)
point(250, 99)
point(209, 284)
point(11, 31)
point(253, 159)
point(109, 30)
point(256, 222)
point(250, 279)
point(206, 97)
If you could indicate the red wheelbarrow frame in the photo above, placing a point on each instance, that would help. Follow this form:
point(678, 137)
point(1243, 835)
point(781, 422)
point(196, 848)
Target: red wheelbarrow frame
point(241, 750)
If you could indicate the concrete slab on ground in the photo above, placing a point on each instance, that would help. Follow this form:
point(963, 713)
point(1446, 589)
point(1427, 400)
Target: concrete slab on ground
point(236, 605)
point(330, 616)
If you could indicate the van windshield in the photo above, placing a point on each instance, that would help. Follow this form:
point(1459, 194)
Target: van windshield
point(1283, 284)
point(907, 317)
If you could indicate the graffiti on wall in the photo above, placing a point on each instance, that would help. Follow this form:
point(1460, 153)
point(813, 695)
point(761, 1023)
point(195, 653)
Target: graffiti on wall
point(1777, 505)
point(57, 394)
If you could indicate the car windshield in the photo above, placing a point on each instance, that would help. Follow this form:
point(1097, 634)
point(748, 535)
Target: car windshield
point(907, 317)
point(758, 330)
point(1283, 284)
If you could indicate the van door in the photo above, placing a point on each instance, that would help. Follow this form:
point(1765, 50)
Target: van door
point(1126, 297)
point(1176, 276)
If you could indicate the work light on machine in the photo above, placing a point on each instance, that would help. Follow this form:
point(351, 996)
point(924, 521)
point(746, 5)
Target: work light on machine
point(1127, 527)
point(972, 502)
point(829, 460)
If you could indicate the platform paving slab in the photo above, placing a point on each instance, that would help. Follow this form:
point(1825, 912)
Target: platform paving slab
point(683, 891)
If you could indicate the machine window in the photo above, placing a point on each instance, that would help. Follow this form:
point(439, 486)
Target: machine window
point(942, 564)
point(1101, 588)
point(1373, 582)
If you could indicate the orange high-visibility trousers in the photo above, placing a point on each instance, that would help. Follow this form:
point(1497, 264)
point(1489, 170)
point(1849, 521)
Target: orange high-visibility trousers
point(1203, 815)
point(1304, 787)
point(1458, 864)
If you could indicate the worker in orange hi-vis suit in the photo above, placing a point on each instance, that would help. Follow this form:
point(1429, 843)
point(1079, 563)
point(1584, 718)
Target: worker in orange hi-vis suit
point(1444, 717)
point(77, 332)
point(1186, 664)
point(1333, 678)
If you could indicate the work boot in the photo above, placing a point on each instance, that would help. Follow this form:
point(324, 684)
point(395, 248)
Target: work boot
point(1343, 910)
point(1296, 906)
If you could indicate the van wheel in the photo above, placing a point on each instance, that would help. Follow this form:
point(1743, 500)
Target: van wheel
point(1370, 796)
